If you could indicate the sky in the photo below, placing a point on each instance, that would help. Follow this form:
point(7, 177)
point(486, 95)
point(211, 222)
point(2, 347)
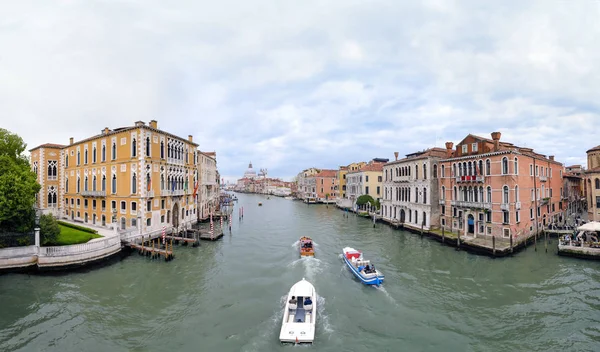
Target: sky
point(289, 85)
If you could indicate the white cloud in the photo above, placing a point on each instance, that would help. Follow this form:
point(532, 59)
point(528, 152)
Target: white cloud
point(290, 85)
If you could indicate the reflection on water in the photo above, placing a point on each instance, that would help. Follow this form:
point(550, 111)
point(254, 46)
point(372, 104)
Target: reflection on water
point(229, 295)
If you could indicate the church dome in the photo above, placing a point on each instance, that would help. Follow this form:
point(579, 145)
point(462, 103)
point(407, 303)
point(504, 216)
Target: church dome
point(250, 173)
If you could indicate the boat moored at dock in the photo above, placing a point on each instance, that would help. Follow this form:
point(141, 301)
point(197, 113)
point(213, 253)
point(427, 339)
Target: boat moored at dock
point(361, 268)
point(300, 314)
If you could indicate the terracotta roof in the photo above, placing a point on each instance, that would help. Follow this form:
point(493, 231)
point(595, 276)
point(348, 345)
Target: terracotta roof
point(596, 148)
point(431, 152)
point(49, 145)
point(326, 173)
point(372, 167)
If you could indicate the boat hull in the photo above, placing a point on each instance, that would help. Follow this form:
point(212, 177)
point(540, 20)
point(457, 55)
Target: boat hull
point(375, 280)
point(299, 320)
point(307, 252)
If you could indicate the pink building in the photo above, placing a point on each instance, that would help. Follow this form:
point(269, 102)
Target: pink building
point(325, 185)
point(494, 188)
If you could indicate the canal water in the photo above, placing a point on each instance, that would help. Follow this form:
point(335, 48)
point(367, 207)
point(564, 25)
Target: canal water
point(229, 295)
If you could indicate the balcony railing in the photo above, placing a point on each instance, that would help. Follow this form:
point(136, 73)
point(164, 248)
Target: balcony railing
point(505, 206)
point(442, 201)
point(472, 178)
point(93, 193)
point(150, 194)
point(518, 205)
point(476, 205)
point(543, 178)
point(166, 192)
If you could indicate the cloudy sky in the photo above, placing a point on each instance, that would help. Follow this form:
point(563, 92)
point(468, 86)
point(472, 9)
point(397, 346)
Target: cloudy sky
point(293, 84)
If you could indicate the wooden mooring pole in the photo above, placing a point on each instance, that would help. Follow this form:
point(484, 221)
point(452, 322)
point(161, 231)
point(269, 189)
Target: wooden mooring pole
point(494, 245)
point(458, 241)
point(443, 235)
point(511, 243)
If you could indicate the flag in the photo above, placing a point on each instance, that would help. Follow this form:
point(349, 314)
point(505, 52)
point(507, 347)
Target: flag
point(195, 189)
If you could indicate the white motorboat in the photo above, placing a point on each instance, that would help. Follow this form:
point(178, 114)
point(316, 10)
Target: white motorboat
point(300, 314)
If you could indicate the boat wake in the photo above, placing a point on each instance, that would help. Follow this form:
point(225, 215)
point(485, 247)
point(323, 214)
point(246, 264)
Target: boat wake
point(296, 244)
point(312, 266)
point(386, 293)
point(268, 329)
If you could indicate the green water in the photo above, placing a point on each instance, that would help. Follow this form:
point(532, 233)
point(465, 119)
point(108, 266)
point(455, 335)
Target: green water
point(229, 295)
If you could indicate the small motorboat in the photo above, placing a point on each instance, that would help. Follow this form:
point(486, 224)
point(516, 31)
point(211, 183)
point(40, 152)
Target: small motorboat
point(306, 247)
point(363, 269)
point(259, 204)
point(300, 314)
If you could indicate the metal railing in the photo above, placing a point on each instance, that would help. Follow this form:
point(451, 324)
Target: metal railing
point(467, 204)
point(505, 206)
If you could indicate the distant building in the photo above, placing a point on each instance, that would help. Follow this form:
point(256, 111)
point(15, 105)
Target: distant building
point(573, 189)
point(367, 180)
point(306, 185)
point(325, 184)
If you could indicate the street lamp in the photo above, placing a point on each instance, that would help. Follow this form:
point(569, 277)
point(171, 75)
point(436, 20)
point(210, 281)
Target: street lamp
point(37, 216)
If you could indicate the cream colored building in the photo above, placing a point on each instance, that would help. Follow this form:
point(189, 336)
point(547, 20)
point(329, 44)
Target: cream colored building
point(368, 180)
point(208, 191)
point(592, 179)
point(343, 171)
point(305, 187)
point(139, 177)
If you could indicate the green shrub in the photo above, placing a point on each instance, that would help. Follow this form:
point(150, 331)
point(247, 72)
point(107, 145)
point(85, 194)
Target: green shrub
point(77, 227)
point(49, 229)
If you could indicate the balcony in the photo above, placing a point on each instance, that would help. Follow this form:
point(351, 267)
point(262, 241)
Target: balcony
point(93, 193)
point(166, 192)
point(505, 206)
point(543, 178)
point(518, 205)
point(475, 205)
point(472, 178)
point(401, 179)
point(150, 194)
point(442, 202)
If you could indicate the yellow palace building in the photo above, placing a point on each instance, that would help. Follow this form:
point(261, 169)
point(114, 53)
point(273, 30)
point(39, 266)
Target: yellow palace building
point(139, 177)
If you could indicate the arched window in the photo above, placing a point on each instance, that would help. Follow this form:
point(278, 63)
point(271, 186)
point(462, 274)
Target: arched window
point(417, 195)
point(597, 183)
point(488, 167)
point(455, 193)
point(113, 185)
point(94, 183)
point(94, 155)
point(67, 185)
point(85, 183)
point(416, 217)
point(424, 195)
point(148, 182)
point(85, 156)
point(454, 170)
point(516, 166)
point(516, 193)
point(489, 194)
point(424, 171)
point(147, 146)
point(470, 169)
point(505, 199)
point(505, 166)
point(480, 167)
point(133, 147)
point(386, 174)
point(134, 184)
point(460, 169)
point(481, 193)
point(435, 168)
point(78, 157)
point(443, 193)
point(114, 151)
point(424, 219)
point(103, 183)
point(443, 170)
point(78, 184)
point(162, 149)
point(103, 152)
point(162, 181)
point(475, 195)
point(416, 172)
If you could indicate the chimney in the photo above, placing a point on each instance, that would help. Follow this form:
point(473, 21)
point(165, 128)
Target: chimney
point(70, 140)
point(154, 124)
point(551, 157)
point(396, 155)
point(139, 123)
point(449, 146)
point(496, 139)
point(190, 138)
point(105, 130)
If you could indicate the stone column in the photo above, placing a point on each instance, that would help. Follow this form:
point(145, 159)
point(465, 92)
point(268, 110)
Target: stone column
point(37, 240)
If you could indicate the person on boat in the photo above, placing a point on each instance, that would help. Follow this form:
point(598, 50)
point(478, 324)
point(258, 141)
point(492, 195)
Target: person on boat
point(307, 301)
point(367, 269)
point(293, 300)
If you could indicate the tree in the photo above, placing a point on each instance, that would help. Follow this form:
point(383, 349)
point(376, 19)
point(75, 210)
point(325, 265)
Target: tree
point(364, 199)
point(49, 229)
point(18, 185)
